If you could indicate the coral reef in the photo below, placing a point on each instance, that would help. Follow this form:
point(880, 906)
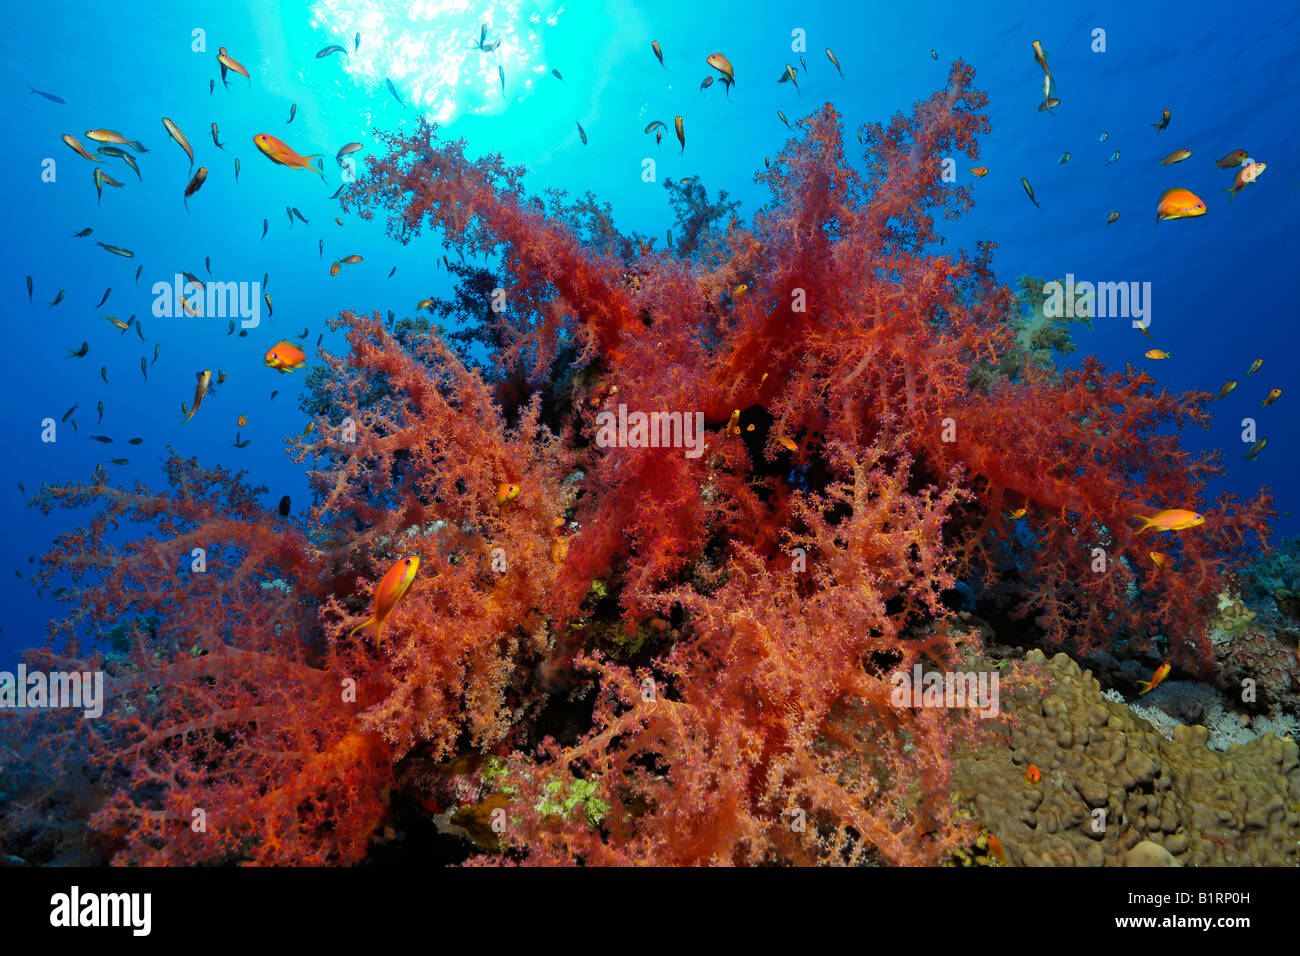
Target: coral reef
point(849, 476)
point(1112, 785)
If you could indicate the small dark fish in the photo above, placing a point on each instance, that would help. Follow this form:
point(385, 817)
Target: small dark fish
point(1164, 121)
point(392, 89)
point(284, 507)
point(119, 461)
point(155, 353)
point(83, 233)
point(144, 369)
point(332, 48)
point(266, 280)
point(300, 216)
point(216, 141)
point(501, 73)
point(393, 273)
point(318, 339)
point(68, 413)
point(57, 299)
point(107, 292)
point(583, 133)
point(49, 96)
point(194, 185)
point(99, 407)
point(139, 330)
point(293, 111)
point(266, 297)
point(804, 64)
point(337, 191)
point(659, 52)
point(305, 333)
point(706, 83)
point(320, 246)
point(289, 212)
point(137, 273)
point(265, 225)
point(207, 261)
point(230, 330)
point(118, 251)
point(191, 277)
point(29, 288)
point(356, 43)
point(273, 394)
point(240, 444)
point(556, 74)
point(102, 439)
point(212, 87)
point(135, 441)
point(103, 373)
point(781, 117)
point(391, 316)
point(670, 238)
point(236, 169)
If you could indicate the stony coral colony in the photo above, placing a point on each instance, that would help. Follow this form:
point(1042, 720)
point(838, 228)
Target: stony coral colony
point(641, 656)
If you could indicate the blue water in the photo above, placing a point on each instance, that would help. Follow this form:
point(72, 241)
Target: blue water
point(1221, 285)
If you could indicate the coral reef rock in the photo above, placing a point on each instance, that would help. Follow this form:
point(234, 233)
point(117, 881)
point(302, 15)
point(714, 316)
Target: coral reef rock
point(1114, 792)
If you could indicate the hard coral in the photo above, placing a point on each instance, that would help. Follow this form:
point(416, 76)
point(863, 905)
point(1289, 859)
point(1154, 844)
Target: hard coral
point(790, 584)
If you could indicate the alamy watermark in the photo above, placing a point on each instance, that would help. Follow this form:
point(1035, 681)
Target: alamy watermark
point(57, 690)
point(651, 430)
point(974, 690)
point(222, 300)
point(1124, 300)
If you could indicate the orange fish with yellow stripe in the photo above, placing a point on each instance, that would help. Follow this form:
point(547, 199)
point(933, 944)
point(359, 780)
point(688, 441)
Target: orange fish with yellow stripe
point(280, 152)
point(392, 588)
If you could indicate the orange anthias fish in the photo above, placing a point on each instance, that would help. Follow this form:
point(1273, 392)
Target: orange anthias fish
point(1171, 519)
point(1158, 559)
point(1033, 774)
point(114, 137)
point(200, 390)
point(392, 588)
point(1232, 160)
point(1179, 203)
point(1149, 685)
point(506, 493)
point(194, 185)
point(722, 65)
point(285, 357)
point(1177, 156)
point(278, 151)
point(979, 172)
point(228, 62)
point(80, 150)
point(1245, 176)
point(1040, 57)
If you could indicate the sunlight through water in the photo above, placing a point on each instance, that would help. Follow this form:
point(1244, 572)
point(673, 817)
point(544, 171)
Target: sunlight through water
point(430, 50)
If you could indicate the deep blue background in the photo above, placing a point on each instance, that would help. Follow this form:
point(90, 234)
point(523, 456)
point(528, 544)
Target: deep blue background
point(1223, 284)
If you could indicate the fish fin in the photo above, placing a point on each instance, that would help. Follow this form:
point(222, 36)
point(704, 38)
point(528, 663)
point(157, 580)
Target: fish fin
point(1145, 685)
point(373, 626)
point(1146, 523)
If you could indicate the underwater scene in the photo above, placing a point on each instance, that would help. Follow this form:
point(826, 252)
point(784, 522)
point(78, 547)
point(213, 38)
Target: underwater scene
point(501, 432)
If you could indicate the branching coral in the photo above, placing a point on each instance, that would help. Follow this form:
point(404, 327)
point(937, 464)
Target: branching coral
point(850, 474)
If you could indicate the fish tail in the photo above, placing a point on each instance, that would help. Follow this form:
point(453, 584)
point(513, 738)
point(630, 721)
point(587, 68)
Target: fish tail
point(1146, 523)
point(1146, 687)
point(139, 148)
point(374, 626)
